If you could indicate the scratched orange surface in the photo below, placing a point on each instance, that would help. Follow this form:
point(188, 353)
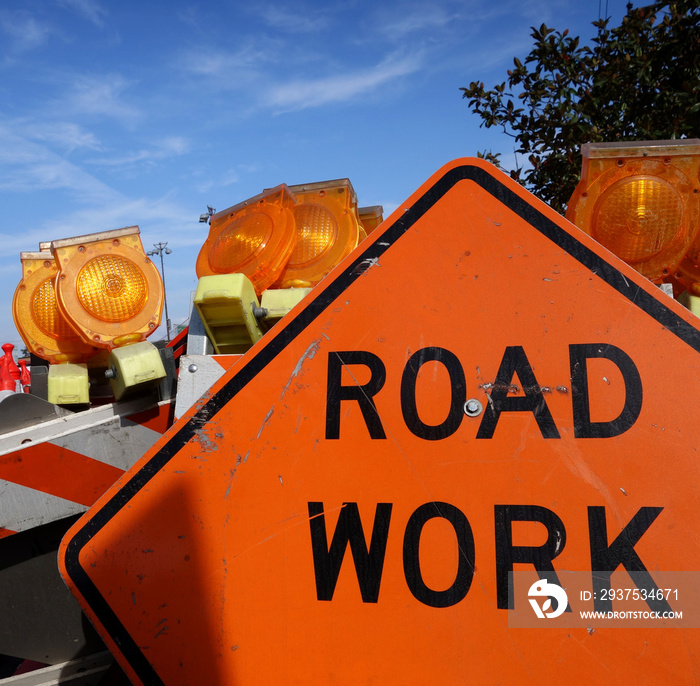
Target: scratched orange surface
point(201, 567)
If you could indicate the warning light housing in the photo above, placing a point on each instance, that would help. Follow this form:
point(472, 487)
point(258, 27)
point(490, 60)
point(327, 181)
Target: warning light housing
point(108, 288)
point(44, 329)
point(254, 238)
point(641, 201)
point(288, 236)
point(328, 229)
point(371, 217)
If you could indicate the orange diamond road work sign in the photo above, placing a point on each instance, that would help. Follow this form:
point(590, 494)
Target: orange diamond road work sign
point(479, 390)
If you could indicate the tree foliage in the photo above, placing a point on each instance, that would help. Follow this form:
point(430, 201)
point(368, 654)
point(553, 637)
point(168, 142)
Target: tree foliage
point(636, 81)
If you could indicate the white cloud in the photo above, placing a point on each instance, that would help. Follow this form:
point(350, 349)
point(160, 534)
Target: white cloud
point(101, 96)
point(158, 218)
point(230, 177)
point(293, 19)
point(168, 147)
point(24, 31)
point(302, 94)
point(174, 145)
point(64, 135)
point(423, 18)
point(90, 9)
point(221, 63)
point(29, 167)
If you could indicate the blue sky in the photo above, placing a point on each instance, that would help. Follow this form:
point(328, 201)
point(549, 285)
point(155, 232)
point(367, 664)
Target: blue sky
point(115, 114)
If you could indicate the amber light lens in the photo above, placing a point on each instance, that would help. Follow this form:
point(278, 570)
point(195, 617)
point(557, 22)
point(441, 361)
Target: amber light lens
point(112, 288)
point(317, 231)
point(328, 229)
point(107, 288)
point(638, 217)
point(641, 200)
point(46, 315)
point(238, 244)
point(44, 330)
point(254, 238)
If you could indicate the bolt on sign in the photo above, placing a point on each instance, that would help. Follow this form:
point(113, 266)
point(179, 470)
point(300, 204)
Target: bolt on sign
point(480, 390)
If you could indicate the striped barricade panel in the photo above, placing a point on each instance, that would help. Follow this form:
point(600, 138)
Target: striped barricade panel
point(60, 467)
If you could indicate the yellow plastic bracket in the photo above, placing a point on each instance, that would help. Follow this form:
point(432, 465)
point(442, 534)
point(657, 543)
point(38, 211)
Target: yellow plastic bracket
point(68, 384)
point(691, 302)
point(135, 368)
point(225, 305)
point(279, 301)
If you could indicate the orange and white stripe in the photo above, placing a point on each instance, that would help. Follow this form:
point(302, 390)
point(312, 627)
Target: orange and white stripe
point(58, 468)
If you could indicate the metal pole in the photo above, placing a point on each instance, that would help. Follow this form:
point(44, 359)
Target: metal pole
point(159, 250)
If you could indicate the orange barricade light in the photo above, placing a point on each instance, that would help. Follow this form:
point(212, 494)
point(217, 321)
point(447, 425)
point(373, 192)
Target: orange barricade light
point(371, 217)
point(44, 330)
point(641, 201)
point(254, 238)
point(328, 229)
point(108, 288)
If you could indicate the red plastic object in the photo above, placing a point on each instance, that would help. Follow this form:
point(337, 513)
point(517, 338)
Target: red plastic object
point(7, 383)
point(12, 366)
point(25, 376)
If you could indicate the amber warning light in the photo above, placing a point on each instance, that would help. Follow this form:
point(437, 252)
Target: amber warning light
point(641, 200)
point(85, 295)
point(44, 329)
point(288, 236)
point(108, 288)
